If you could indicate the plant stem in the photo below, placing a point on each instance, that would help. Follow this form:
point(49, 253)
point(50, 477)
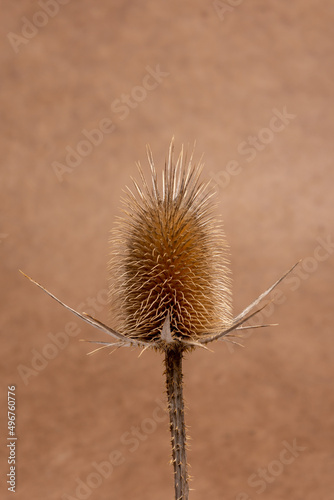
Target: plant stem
point(173, 362)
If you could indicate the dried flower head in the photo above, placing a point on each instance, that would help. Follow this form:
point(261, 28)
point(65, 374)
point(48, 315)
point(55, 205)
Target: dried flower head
point(169, 275)
point(169, 282)
point(169, 256)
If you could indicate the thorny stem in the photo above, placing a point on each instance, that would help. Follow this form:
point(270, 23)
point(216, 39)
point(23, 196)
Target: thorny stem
point(173, 362)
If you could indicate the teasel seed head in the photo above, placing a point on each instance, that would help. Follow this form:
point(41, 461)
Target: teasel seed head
point(169, 267)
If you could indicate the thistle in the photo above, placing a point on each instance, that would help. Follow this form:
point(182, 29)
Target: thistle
point(170, 282)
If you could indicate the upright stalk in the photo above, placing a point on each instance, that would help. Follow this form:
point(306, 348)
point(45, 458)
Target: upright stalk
point(173, 362)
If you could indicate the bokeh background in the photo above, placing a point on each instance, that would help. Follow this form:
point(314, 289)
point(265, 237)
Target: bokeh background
point(252, 83)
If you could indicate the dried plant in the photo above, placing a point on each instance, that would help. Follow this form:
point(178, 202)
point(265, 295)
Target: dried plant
point(170, 282)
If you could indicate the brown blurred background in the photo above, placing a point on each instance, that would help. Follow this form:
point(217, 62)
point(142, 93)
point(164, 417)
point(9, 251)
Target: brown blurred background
point(84, 87)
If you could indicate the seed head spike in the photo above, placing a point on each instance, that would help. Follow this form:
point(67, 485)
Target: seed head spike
point(168, 253)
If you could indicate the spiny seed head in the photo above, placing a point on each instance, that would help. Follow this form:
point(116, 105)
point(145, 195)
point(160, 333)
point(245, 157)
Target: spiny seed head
point(168, 255)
